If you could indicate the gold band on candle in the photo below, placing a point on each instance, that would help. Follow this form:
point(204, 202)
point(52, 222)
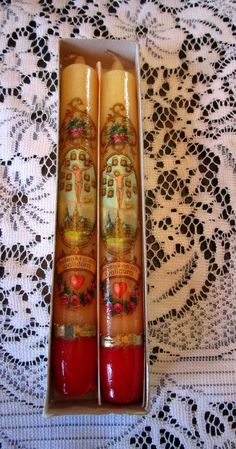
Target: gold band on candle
point(74, 330)
point(122, 340)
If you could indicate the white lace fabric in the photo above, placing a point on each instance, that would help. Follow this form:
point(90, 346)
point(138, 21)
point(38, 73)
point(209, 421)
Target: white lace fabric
point(188, 72)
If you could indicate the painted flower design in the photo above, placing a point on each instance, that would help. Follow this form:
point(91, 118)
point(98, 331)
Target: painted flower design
point(118, 133)
point(115, 301)
point(118, 308)
point(77, 123)
point(77, 127)
point(71, 298)
point(118, 129)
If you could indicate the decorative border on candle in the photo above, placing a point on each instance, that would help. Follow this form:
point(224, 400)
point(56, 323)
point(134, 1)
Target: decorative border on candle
point(121, 340)
point(70, 331)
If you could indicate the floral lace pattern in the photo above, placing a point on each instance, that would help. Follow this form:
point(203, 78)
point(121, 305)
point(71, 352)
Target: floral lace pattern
point(188, 86)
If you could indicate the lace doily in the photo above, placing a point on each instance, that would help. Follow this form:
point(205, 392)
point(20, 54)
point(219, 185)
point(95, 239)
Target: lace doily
point(188, 70)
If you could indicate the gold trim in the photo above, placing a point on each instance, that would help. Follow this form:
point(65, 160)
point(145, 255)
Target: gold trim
point(122, 340)
point(74, 330)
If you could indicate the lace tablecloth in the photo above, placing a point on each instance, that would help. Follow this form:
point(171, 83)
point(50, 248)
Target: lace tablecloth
point(188, 69)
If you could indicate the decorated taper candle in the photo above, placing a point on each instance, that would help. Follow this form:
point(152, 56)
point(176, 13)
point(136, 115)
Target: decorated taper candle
point(74, 351)
point(121, 301)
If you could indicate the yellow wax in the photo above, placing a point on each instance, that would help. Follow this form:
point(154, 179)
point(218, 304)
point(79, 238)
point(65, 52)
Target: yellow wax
point(79, 80)
point(119, 86)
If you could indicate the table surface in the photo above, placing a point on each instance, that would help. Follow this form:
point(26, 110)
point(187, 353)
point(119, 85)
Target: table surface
point(188, 72)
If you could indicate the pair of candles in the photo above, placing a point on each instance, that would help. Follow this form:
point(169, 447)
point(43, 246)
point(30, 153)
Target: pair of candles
point(74, 347)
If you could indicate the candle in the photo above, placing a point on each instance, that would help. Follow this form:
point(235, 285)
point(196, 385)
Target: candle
point(74, 351)
point(121, 302)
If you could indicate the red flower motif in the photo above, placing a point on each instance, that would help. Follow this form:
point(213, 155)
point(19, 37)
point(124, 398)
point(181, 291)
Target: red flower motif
point(118, 307)
point(65, 299)
point(74, 300)
point(116, 138)
point(76, 132)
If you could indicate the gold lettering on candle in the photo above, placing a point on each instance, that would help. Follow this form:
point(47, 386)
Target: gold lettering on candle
point(76, 262)
point(120, 269)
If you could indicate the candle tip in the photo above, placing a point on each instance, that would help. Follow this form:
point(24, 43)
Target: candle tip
point(117, 64)
point(75, 59)
point(79, 60)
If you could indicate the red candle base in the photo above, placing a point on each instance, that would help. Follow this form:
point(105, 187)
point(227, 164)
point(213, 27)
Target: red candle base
point(75, 365)
point(122, 374)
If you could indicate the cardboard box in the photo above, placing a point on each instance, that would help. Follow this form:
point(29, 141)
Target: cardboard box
point(96, 50)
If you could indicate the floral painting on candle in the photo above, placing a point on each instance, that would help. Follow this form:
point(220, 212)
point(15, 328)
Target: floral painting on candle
point(119, 204)
point(77, 208)
point(118, 130)
point(77, 126)
point(71, 291)
point(123, 297)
